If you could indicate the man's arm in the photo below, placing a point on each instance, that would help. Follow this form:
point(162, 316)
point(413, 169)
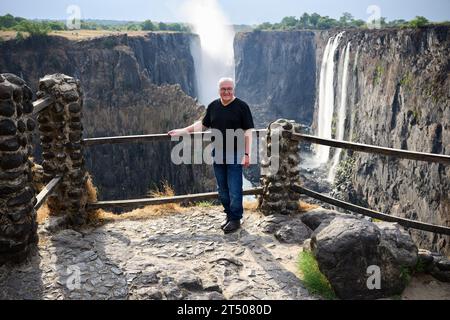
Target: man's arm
point(195, 127)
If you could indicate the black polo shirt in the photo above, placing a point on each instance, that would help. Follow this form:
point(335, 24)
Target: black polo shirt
point(234, 116)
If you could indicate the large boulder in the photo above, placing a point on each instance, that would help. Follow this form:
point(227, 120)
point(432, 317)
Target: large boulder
point(347, 247)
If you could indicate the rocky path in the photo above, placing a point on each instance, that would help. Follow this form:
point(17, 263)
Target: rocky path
point(179, 256)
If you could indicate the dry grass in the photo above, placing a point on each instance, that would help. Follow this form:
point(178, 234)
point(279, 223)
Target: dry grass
point(305, 207)
point(100, 216)
point(42, 214)
point(82, 34)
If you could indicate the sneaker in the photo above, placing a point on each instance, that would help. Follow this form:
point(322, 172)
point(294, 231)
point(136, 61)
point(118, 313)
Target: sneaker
point(224, 223)
point(232, 226)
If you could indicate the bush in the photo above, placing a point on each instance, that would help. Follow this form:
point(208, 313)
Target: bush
point(35, 29)
point(148, 25)
point(20, 36)
point(314, 280)
point(418, 22)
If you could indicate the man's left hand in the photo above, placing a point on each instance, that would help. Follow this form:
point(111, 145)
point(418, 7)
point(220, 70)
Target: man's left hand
point(246, 161)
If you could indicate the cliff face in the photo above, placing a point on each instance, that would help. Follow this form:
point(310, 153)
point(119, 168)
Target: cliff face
point(398, 95)
point(276, 74)
point(132, 85)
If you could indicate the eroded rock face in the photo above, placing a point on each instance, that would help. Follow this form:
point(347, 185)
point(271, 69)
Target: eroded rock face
point(398, 97)
point(347, 250)
point(131, 85)
point(276, 74)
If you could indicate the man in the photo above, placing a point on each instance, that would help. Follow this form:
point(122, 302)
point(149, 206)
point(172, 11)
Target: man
point(228, 113)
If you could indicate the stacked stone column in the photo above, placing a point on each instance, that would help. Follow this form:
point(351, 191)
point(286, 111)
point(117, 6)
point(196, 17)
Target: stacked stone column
point(60, 131)
point(276, 180)
point(17, 195)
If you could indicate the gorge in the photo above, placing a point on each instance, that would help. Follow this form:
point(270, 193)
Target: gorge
point(383, 87)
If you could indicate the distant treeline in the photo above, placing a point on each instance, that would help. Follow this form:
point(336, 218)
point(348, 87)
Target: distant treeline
point(317, 22)
point(34, 27)
point(306, 21)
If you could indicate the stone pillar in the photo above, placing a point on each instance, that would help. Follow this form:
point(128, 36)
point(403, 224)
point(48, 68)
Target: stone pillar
point(280, 168)
point(60, 131)
point(17, 195)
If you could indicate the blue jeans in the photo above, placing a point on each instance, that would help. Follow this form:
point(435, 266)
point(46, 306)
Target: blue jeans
point(229, 183)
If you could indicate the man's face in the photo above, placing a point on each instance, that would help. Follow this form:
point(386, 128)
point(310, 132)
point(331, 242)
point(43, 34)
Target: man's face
point(226, 91)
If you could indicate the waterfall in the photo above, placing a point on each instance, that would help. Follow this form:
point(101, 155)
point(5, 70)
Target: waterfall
point(326, 97)
point(340, 126)
point(214, 58)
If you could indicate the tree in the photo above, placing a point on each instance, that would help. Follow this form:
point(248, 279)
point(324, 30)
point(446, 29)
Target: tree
point(289, 22)
point(346, 19)
point(418, 22)
point(303, 22)
point(314, 19)
point(35, 29)
point(54, 25)
point(7, 21)
point(162, 26)
point(148, 25)
point(264, 26)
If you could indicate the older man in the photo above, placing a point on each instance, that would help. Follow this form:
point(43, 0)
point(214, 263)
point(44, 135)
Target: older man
point(228, 113)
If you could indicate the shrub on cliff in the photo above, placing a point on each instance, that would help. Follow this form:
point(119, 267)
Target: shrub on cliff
point(418, 22)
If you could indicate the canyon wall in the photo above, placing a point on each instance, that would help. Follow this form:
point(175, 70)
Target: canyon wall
point(132, 85)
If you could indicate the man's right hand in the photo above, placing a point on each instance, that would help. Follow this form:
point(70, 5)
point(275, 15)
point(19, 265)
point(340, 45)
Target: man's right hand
point(177, 132)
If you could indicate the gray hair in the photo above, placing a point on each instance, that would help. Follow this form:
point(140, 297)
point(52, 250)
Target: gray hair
point(225, 79)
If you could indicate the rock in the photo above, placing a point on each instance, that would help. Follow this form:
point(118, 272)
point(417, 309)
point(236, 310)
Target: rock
point(347, 247)
point(443, 264)
point(272, 223)
point(294, 232)
point(189, 281)
point(215, 296)
point(228, 259)
point(7, 127)
point(7, 108)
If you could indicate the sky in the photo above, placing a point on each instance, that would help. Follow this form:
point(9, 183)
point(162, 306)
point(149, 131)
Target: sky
point(238, 11)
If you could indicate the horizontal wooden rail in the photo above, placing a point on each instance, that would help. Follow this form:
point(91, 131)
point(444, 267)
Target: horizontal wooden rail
point(373, 214)
point(41, 104)
point(414, 155)
point(162, 200)
point(140, 138)
point(46, 191)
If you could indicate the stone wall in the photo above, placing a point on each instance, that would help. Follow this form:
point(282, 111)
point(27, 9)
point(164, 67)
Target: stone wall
point(17, 195)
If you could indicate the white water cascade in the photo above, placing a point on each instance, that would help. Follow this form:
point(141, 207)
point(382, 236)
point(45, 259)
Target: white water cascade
point(340, 126)
point(215, 56)
point(326, 97)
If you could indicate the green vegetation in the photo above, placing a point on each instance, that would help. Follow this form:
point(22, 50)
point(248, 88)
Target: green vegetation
point(379, 71)
point(42, 27)
point(205, 204)
point(418, 22)
point(317, 22)
point(405, 274)
point(406, 81)
point(314, 280)
point(344, 170)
